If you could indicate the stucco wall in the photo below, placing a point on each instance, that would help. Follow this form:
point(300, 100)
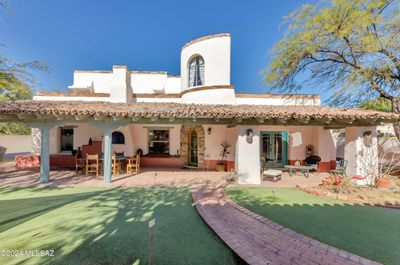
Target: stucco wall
point(83, 132)
point(219, 134)
point(71, 98)
point(299, 137)
point(283, 100)
point(248, 156)
point(210, 96)
point(216, 53)
point(101, 80)
point(176, 100)
point(154, 83)
point(139, 134)
point(16, 143)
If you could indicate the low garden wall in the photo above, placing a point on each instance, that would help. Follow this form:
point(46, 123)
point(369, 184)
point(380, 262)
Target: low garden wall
point(16, 143)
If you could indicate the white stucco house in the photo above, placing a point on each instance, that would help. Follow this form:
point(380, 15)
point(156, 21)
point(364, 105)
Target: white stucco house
point(181, 121)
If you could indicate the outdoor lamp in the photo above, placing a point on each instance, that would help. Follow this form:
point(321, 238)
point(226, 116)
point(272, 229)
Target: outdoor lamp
point(209, 130)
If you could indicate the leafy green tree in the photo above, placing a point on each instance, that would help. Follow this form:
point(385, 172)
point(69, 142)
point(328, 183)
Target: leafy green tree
point(15, 82)
point(349, 47)
point(379, 104)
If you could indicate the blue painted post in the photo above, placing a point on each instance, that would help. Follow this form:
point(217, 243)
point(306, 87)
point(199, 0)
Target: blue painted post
point(107, 155)
point(44, 155)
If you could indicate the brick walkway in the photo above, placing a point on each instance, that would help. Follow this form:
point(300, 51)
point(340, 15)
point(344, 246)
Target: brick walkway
point(257, 240)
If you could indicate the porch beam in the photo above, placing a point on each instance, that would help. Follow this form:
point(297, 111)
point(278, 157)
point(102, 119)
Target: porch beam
point(281, 121)
point(346, 121)
point(325, 121)
point(123, 121)
point(118, 118)
point(98, 117)
point(304, 120)
point(81, 117)
point(260, 120)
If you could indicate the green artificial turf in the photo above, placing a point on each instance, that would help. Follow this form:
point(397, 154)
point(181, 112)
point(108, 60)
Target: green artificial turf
point(106, 226)
point(372, 232)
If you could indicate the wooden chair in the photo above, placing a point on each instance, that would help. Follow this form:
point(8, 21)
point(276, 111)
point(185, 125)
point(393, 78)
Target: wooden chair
point(116, 165)
point(79, 164)
point(92, 164)
point(133, 165)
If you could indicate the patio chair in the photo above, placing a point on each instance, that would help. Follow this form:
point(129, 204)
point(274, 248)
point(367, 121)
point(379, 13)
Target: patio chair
point(116, 165)
point(133, 165)
point(79, 164)
point(340, 168)
point(313, 162)
point(92, 164)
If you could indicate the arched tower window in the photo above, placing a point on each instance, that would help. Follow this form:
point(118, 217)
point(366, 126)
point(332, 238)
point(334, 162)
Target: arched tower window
point(118, 138)
point(196, 71)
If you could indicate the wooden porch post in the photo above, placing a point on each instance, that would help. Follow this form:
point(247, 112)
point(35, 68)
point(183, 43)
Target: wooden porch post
point(107, 155)
point(44, 128)
point(44, 154)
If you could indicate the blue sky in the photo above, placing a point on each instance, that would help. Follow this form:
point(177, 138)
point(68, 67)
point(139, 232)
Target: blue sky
point(145, 35)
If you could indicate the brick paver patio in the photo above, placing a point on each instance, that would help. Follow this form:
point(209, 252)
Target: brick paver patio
point(258, 240)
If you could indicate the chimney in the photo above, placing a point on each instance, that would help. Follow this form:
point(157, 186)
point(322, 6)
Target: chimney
point(121, 90)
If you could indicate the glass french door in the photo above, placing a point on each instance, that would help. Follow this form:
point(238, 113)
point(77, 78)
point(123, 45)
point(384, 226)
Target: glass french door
point(274, 147)
point(193, 158)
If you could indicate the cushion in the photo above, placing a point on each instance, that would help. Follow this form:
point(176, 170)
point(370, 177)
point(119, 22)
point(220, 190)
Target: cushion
point(272, 172)
point(312, 160)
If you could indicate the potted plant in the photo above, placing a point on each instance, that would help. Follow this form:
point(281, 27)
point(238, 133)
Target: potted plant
point(383, 183)
point(387, 165)
point(224, 152)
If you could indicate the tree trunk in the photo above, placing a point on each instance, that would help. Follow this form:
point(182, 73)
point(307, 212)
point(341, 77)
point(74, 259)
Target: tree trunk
point(396, 109)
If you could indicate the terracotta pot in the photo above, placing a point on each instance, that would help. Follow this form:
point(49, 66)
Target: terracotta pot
point(220, 168)
point(327, 181)
point(383, 183)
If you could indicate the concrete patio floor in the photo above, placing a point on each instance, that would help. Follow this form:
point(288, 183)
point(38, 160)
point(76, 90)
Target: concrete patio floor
point(148, 177)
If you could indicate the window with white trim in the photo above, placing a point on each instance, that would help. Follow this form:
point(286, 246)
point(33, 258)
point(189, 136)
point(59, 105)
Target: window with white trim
point(158, 142)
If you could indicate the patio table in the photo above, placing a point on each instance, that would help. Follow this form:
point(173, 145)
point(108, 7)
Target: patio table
point(119, 158)
point(305, 170)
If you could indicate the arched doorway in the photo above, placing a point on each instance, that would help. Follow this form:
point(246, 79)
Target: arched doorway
point(192, 146)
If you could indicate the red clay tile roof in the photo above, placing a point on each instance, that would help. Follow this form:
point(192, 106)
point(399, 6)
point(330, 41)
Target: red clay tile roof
point(178, 110)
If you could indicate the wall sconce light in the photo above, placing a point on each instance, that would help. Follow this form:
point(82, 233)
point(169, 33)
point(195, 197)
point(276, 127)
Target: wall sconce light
point(249, 136)
point(209, 130)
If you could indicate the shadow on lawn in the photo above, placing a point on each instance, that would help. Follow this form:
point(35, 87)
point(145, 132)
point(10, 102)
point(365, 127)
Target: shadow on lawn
point(18, 211)
point(110, 227)
point(179, 236)
point(372, 232)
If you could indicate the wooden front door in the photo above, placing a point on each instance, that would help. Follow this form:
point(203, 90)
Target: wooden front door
point(193, 152)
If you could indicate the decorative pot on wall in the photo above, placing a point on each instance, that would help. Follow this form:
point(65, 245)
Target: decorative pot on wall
point(249, 136)
point(367, 138)
point(383, 183)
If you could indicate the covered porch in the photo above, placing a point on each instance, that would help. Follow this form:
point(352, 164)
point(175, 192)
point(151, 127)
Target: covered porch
point(243, 127)
point(148, 177)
